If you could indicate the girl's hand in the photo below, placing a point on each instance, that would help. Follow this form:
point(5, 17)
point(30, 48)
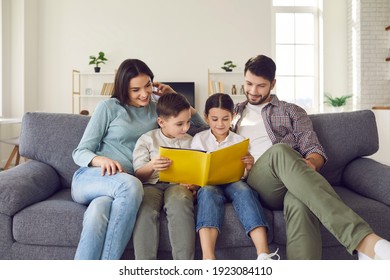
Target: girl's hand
point(107, 165)
point(192, 188)
point(160, 163)
point(249, 161)
point(162, 89)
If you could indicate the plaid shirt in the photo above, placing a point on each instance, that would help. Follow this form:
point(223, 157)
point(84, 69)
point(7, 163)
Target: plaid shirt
point(286, 123)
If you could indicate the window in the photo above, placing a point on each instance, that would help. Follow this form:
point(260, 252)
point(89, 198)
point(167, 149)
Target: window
point(297, 55)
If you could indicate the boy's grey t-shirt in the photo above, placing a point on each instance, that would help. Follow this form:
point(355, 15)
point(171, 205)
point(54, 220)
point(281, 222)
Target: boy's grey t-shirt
point(147, 148)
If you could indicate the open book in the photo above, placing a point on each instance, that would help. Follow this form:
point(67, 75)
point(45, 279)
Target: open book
point(205, 168)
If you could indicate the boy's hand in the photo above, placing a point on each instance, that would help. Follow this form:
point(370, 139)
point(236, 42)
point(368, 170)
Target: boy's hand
point(249, 161)
point(160, 163)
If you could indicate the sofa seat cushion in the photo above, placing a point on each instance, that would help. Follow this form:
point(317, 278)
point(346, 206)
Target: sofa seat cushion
point(56, 221)
point(372, 211)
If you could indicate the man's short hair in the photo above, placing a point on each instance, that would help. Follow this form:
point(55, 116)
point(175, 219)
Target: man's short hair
point(261, 66)
point(171, 104)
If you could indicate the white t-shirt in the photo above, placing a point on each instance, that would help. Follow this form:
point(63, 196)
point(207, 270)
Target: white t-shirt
point(147, 147)
point(206, 141)
point(252, 126)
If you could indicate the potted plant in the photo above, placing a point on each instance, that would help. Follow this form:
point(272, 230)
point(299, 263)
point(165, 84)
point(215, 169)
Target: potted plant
point(336, 102)
point(228, 66)
point(97, 60)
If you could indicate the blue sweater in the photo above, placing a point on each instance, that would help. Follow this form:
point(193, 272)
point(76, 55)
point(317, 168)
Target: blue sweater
point(113, 131)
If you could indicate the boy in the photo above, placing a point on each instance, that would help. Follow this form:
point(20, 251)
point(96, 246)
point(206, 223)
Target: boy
point(174, 114)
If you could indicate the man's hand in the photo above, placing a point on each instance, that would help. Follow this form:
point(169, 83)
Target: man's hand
point(315, 161)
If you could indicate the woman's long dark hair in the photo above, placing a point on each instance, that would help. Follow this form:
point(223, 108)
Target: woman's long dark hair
point(129, 69)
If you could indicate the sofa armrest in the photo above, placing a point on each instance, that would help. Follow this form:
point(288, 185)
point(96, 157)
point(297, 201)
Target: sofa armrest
point(26, 184)
point(369, 178)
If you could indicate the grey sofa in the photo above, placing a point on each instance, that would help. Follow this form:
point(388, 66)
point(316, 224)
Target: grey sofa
point(39, 220)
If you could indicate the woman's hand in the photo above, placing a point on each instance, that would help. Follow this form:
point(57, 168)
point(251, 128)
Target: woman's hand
point(107, 165)
point(162, 89)
point(249, 161)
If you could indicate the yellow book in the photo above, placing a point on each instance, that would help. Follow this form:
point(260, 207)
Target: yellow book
point(205, 168)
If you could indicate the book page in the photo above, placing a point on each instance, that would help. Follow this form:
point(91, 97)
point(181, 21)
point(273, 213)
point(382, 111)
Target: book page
point(188, 166)
point(226, 165)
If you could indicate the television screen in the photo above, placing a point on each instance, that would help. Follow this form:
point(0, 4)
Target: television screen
point(185, 88)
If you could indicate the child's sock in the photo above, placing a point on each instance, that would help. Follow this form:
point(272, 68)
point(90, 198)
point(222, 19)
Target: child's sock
point(362, 256)
point(382, 250)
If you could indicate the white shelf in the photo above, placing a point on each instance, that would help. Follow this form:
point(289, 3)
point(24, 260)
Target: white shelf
point(222, 81)
point(87, 89)
point(94, 96)
point(96, 74)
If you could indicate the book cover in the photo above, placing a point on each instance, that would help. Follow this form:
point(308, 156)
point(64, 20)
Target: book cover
point(205, 168)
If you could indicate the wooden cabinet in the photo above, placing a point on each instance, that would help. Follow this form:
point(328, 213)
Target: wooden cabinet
point(231, 83)
point(88, 88)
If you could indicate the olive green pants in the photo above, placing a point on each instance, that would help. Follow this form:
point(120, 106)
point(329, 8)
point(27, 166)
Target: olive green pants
point(284, 181)
point(178, 204)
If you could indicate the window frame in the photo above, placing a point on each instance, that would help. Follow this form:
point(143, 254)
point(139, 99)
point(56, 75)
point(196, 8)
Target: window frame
point(316, 11)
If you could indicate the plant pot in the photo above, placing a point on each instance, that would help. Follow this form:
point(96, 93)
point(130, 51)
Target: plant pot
point(338, 109)
point(229, 70)
point(97, 69)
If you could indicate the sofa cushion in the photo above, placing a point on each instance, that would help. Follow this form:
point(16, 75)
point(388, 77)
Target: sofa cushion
point(40, 181)
point(345, 136)
point(56, 221)
point(51, 138)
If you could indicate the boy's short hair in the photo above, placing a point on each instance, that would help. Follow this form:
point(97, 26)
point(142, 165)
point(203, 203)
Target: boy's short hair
point(261, 66)
point(171, 104)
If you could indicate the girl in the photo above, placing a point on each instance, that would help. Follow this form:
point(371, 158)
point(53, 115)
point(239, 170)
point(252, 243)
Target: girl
point(210, 212)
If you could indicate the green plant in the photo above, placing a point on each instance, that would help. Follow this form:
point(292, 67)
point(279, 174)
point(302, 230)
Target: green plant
point(228, 66)
point(336, 101)
point(97, 59)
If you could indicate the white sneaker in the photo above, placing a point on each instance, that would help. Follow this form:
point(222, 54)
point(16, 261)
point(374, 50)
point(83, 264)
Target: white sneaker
point(268, 257)
point(382, 250)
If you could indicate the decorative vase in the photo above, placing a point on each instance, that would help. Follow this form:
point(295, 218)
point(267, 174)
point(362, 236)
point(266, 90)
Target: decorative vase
point(234, 90)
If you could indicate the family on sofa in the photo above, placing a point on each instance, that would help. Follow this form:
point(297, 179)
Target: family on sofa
point(282, 172)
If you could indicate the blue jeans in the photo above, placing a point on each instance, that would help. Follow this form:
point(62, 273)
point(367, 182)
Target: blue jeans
point(211, 206)
point(110, 217)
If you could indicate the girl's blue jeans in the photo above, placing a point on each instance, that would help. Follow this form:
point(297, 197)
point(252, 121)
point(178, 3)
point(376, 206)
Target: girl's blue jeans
point(211, 206)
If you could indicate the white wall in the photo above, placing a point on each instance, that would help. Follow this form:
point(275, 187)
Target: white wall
point(335, 48)
point(178, 39)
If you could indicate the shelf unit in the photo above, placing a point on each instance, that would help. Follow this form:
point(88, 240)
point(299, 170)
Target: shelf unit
point(88, 88)
point(222, 82)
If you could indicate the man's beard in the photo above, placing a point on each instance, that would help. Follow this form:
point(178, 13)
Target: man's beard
point(262, 99)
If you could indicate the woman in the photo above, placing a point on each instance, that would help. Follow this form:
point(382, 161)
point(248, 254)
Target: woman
point(105, 179)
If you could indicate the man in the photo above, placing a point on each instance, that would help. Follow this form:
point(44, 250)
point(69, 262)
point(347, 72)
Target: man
point(288, 156)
